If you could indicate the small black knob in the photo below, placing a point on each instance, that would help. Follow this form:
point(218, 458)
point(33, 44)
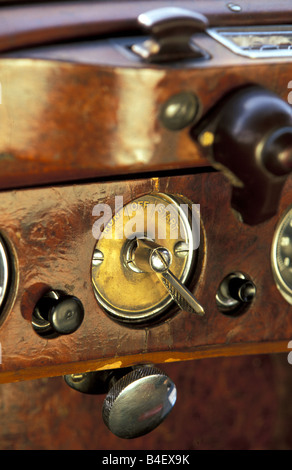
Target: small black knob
point(57, 314)
point(242, 290)
point(235, 293)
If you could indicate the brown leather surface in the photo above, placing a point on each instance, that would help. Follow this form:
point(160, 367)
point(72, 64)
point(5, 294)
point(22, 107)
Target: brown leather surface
point(223, 403)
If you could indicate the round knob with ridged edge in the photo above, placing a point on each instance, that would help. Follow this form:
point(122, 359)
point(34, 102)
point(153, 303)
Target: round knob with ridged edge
point(138, 402)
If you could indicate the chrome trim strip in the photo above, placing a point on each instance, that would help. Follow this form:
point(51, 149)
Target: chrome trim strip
point(224, 36)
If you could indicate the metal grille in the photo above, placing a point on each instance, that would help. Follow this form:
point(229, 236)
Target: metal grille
point(256, 42)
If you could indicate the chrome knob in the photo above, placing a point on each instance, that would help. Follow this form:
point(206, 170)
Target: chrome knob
point(138, 402)
point(171, 30)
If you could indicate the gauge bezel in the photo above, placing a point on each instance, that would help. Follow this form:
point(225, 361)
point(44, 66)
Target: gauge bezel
point(280, 282)
point(4, 272)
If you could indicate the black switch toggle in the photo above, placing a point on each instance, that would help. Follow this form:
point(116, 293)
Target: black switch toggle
point(235, 293)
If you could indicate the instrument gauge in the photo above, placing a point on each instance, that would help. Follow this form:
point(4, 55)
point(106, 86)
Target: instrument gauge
point(282, 255)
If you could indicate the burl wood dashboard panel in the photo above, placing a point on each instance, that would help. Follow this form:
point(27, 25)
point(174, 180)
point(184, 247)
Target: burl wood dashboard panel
point(77, 107)
point(81, 124)
point(50, 233)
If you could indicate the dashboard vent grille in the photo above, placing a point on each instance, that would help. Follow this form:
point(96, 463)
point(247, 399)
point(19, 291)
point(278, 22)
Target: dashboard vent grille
point(256, 42)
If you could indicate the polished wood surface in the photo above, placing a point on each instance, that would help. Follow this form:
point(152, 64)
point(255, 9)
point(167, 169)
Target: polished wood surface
point(50, 22)
point(80, 124)
point(68, 122)
point(82, 110)
point(50, 232)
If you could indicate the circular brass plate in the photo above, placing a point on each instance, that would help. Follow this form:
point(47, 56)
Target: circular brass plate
point(125, 292)
point(282, 255)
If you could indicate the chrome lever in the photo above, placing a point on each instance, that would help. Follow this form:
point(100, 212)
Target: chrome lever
point(149, 256)
point(171, 30)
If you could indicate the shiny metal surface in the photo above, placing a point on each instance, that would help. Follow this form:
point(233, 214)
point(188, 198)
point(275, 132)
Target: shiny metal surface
point(138, 402)
point(152, 257)
point(234, 293)
point(171, 30)
point(4, 272)
point(281, 256)
point(256, 42)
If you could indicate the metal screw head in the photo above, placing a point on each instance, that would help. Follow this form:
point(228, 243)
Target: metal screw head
point(160, 259)
point(181, 249)
point(179, 111)
point(206, 139)
point(97, 257)
point(234, 7)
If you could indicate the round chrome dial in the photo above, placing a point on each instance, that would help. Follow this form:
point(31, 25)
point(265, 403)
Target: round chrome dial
point(282, 255)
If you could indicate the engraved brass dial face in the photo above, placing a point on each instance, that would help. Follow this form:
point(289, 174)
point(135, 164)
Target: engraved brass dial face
point(282, 255)
point(126, 291)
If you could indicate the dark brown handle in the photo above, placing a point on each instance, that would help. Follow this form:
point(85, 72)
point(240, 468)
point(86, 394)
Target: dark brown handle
point(249, 138)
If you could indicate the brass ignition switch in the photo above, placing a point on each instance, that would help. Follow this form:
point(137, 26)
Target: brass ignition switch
point(144, 257)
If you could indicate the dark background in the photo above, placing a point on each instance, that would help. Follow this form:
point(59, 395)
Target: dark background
point(239, 403)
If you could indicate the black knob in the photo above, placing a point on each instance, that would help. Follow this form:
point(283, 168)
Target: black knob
point(242, 290)
point(235, 294)
point(57, 314)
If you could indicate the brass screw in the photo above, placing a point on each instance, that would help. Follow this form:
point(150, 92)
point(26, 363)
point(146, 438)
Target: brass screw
point(234, 7)
point(181, 249)
point(206, 139)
